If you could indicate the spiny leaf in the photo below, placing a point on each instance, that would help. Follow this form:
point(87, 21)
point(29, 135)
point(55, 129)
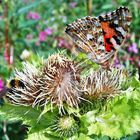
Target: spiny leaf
point(120, 119)
point(28, 115)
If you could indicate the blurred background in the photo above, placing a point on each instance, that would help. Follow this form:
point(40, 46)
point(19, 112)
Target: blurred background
point(36, 28)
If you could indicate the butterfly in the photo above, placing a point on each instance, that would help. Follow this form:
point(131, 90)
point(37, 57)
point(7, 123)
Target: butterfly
point(100, 37)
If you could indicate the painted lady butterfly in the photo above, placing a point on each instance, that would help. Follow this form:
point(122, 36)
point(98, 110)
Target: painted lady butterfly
point(100, 37)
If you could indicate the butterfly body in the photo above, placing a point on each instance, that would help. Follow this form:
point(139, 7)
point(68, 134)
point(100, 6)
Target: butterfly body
point(100, 37)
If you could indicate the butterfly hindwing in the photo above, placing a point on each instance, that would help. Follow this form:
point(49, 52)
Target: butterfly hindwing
point(115, 26)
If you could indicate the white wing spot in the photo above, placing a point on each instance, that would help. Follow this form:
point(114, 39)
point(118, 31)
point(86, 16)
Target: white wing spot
point(100, 39)
point(89, 36)
point(128, 23)
point(120, 29)
point(116, 46)
point(101, 47)
point(116, 22)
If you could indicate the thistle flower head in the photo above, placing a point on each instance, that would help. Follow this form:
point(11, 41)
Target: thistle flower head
point(60, 81)
point(65, 126)
point(104, 83)
point(1, 85)
point(57, 82)
point(25, 95)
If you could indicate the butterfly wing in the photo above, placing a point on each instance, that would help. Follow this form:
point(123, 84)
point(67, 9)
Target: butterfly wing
point(87, 33)
point(115, 26)
point(100, 37)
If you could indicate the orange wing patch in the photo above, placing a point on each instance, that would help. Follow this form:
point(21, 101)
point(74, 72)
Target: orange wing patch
point(108, 34)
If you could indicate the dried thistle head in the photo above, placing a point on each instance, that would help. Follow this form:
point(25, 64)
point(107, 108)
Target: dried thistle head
point(104, 83)
point(61, 81)
point(56, 82)
point(30, 89)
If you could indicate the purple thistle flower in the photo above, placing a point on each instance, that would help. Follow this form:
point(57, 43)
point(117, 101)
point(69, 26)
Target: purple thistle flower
point(133, 48)
point(42, 36)
point(139, 63)
point(33, 15)
point(1, 85)
point(48, 31)
point(117, 63)
point(73, 4)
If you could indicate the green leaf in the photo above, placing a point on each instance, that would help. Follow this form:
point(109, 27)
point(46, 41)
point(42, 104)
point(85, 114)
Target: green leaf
point(107, 6)
point(27, 23)
point(120, 118)
point(37, 136)
point(135, 83)
point(83, 137)
point(28, 115)
point(27, 8)
point(42, 136)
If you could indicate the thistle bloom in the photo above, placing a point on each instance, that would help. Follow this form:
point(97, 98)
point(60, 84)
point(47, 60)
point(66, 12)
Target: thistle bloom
point(73, 4)
point(63, 43)
point(33, 15)
point(1, 85)
point(48, 31)
point(117, 63)
point(61, 82)
point(27, 95)
point(42, 36)
point(104, 83)
point(133, 48)
point(57, 82)
point(65, 126)
point(139, 63)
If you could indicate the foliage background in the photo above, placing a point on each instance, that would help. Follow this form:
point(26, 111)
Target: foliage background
point(32, 28)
